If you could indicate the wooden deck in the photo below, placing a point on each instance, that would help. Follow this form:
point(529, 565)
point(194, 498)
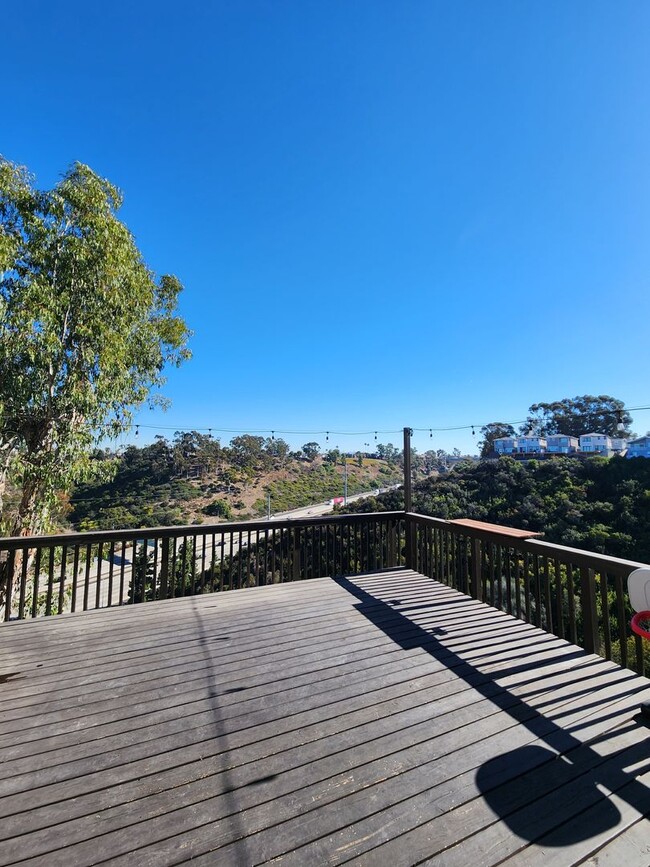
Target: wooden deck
point(380, 720)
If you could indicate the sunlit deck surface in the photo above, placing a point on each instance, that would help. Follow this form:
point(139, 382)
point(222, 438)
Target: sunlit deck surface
point(384, 719)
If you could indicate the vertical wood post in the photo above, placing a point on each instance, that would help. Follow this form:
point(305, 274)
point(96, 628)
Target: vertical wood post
point(591, 640)
point(408, 491)
point(409, 527)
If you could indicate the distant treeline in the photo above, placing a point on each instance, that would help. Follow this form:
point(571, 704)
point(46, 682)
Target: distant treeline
point(194, 479)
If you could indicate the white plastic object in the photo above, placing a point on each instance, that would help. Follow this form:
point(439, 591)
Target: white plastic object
point(638, 588)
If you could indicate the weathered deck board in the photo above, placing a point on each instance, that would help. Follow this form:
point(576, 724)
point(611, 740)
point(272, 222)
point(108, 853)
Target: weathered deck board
point(381, 719)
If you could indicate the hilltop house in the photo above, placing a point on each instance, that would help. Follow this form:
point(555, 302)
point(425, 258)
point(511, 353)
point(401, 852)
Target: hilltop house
point(639, 448)
point(531, 444)
point(597, 443)
point(505, 445)
point(562, 444)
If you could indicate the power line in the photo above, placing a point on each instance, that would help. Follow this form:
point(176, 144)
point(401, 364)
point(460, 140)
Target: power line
point(320, 432)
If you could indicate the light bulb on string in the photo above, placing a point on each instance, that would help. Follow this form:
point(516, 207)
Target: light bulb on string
point(137, 430)
point(430, 434)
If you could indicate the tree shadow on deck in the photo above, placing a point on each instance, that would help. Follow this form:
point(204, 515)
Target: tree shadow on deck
point(550, 794)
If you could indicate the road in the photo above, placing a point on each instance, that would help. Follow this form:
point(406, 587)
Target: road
point(324, 508)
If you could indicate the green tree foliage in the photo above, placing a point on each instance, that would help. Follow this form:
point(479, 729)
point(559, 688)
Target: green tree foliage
point(219, 509)
point(277, 448)
point(85, 333)
point(491, 432)
point(574, 416)
point(144, 492)
point(247, 451)
point(387, 452)
point(311, 451)
point(195, 454)
point(599, 505)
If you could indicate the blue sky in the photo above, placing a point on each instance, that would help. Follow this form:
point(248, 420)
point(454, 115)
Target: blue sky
point(384, 214)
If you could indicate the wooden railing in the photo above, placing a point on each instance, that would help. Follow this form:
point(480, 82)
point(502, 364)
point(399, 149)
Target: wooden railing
point(47, 575)
point(575, 594)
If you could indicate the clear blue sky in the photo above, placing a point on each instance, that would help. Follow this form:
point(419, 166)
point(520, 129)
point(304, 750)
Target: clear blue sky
point(384, 213)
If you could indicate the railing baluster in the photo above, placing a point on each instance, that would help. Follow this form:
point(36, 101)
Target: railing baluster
point(621, 618)
point(122, 572)
point(572, 604)
point(50, 581)
point(111, 566)
point(604, 605)
point(62, 578)
point(23, 583)
point(9, 587)
point(547, 595)
point(213, 561)
point(87, 565)
point(37, 572)
point(98, 577)
point(559, 598)
point(526, 585)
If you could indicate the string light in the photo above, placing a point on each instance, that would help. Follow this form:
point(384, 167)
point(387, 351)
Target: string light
point(16, 417)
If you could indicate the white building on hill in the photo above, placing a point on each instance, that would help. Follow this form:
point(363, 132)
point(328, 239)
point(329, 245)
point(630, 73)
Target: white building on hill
point(562, 444)
point(596, 443)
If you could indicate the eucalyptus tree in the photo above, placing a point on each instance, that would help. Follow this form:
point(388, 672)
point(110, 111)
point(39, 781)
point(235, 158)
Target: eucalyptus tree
point(574, 416)
point(86, 330)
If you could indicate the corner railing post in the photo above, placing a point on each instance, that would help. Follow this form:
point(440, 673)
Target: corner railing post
point(591, 638)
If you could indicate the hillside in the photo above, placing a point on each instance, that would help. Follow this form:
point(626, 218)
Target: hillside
point(195, 480)
point(600, 504)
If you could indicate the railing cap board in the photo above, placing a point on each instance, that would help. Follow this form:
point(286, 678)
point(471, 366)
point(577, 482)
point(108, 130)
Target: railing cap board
point(495, 528)
point(93, 537)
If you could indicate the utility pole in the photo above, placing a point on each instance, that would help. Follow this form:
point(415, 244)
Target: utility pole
point(409, 527)
point(345, 480)
point(408, 497)
point(268, 506)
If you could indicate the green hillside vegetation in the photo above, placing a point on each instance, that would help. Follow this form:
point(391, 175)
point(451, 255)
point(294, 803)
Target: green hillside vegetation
point(193, 479)
point(598, 504)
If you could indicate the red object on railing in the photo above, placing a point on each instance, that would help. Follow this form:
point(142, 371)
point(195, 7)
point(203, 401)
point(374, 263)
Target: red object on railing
point(640, 624)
